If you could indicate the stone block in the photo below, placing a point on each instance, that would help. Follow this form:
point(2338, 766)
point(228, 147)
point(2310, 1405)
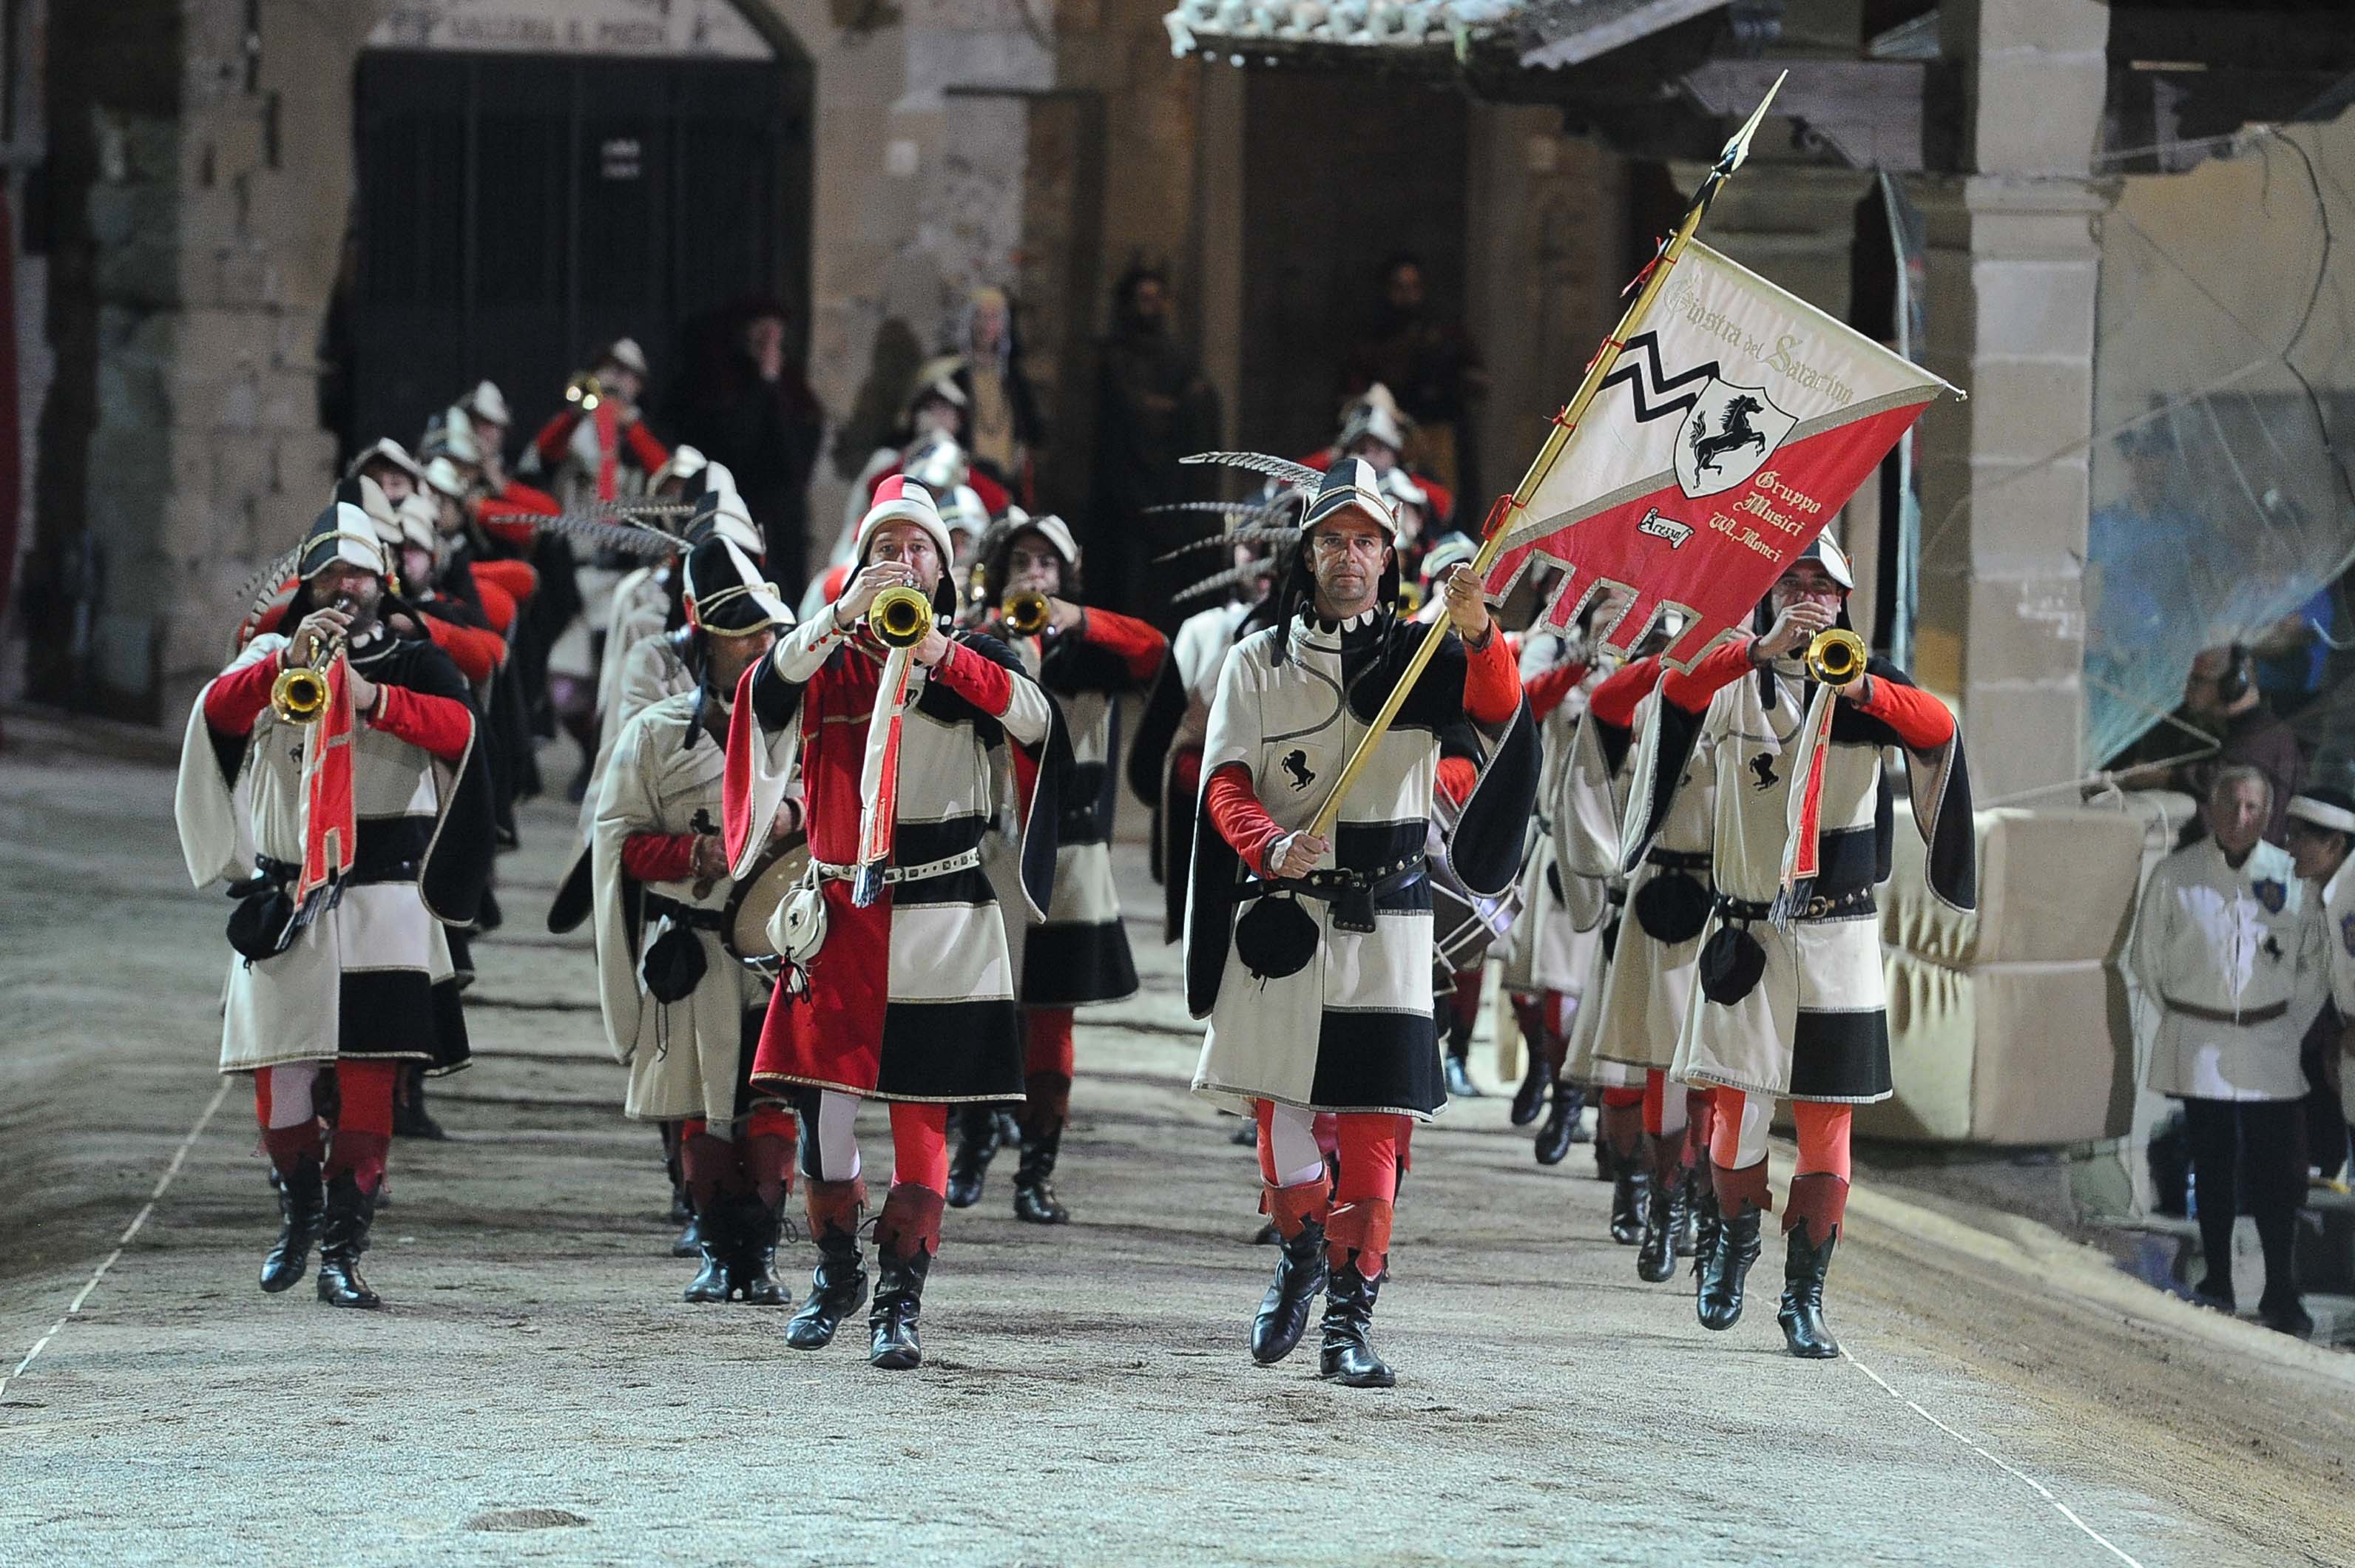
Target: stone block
point(2025, 630)
point(2045, 26)
point(2022, 511)
point(2022, 737)
point(2041, 307)
point(2039, 114)
point(243, 469)
point(2026, 411)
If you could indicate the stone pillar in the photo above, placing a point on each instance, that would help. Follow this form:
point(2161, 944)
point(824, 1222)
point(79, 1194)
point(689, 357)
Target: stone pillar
point(1219, 229)
point(2010, 295)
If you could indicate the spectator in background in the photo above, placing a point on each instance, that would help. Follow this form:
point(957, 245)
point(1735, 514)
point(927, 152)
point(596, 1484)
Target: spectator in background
point(1004, 431)
point(2321, 832)
point(1430, 366)
point(1153, 407)
point(2230, 944)
point(2291, 656)
point(2221, 699)
point(744, 403)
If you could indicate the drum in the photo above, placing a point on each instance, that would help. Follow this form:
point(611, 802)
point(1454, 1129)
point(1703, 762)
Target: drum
point(745, 934)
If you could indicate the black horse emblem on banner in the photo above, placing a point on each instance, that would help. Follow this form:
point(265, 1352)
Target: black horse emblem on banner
point(1727, 432)
point(1296, 762)
point(1735, 433)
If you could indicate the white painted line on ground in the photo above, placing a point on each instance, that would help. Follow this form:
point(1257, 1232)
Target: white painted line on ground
point(162, 1184)
point(2041, 1489)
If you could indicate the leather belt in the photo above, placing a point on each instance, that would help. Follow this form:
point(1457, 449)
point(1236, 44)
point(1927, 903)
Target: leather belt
point(657, 907)
point(1678, 860)
point(1334, 883)
point(1821, 908)
point(2245, 1017)
point(962, 860)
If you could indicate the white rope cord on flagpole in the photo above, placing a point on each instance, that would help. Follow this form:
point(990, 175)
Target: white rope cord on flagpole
point(163, 1185)
point(2038, 1487)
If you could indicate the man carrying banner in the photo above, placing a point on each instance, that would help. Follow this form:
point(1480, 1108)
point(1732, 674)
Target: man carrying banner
point(1309, 949)
point(1791, 998)
point(369, 810)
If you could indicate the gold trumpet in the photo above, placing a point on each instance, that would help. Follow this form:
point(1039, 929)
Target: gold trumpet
point(586, 391)
point(899, 616)
point(299, 695)
point(1836, 656)
point(1025, 612)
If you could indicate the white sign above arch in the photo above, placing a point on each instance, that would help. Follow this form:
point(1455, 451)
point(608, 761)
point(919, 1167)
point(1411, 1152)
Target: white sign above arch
point(632, 29)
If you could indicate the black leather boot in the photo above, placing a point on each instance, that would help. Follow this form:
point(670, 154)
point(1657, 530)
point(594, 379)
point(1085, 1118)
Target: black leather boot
point(1663, 1218)
point(907, 1234)
point(1725, 1272)
point(1631, 1192)
point(1705, 1222)
point(977, 1143)
point(1299, 1270)
point(1458, 1070)
point(752, 1261)
point(302, 1207)
point(1805, 1264)
point(1348, 1354)
point(343, 1237)
point(411, 1119)
point(715, 1238)
point(1688, 1233)
point(1537, 1083)
point(1357, 1257)
point(838, 1284)
point(688, 1243)
point(1034, 1183)
point(899, 1304)
point(1564, 1124)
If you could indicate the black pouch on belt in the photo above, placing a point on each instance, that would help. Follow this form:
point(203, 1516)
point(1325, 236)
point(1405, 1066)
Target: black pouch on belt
point(674, 965)
point(1275, 937)
point(1730, 965)
point(262, 924)
point(1672, 907)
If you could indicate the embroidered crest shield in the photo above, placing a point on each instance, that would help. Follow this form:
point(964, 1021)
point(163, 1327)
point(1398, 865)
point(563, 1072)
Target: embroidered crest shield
point(2346, 934)
point(2271, 893)
point(1727, 433)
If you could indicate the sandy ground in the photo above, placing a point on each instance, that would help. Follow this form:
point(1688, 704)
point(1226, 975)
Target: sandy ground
point(537, 1389)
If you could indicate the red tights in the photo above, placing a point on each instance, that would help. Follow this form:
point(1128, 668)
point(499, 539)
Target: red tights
point(1046, 1067)
point(1739, 1139)
point(363, 1122)
point(1373, 1147)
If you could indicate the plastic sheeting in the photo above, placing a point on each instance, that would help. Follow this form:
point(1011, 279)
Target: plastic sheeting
point(2222, 510)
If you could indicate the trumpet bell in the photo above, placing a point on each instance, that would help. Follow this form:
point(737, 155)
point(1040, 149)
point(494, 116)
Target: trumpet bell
point(299, 695)
point(586, 391)
point(1025, 613)
point(1836, 656)
point(900, 617)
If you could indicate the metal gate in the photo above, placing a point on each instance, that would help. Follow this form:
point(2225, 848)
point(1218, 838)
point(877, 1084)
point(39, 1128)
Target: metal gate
point(515, 211)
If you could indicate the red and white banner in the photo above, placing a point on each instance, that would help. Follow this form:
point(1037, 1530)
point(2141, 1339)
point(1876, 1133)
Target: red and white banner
point(330, 822)
point(1737, 421)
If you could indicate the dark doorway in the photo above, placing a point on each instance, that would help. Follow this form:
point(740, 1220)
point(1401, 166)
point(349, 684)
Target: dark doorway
point(1339, 175)
point(515, 210)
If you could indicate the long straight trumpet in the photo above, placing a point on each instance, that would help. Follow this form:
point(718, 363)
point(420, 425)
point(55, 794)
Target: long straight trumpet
point(1648, 286)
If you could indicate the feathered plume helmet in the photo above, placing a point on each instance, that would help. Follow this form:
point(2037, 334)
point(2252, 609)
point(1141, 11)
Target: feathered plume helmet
point(1350, 485)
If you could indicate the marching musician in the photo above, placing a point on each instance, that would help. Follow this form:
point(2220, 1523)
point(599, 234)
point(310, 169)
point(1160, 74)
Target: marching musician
point(1319, 995)
point(1791, 998)
point(351, 977)
point(903, 989)
point(682, 1013)
point(1649, 984)
point(1087, 659)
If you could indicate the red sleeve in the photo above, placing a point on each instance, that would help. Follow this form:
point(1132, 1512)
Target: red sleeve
point(1239, 816)
point(1921, 720)
point(525, 497)
point(1613, 702)
point(651, 454)
point(1545, 691)
point(477, 654)
point(1721, 667)
point(1457, 777)
point(440, 724)
point(984, 682)
point(993, 495)
point(1137, 644)
point(520, 579)
point(498, 604)
point(659, 857)
point(550, 441)
point(235, 701)
point(1492, 685)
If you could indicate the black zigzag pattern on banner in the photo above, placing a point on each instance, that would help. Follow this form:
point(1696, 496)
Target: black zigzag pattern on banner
point(1661, 385)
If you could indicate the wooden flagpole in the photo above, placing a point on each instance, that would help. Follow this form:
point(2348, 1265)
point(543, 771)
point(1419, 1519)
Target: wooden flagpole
point(1654, 279)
